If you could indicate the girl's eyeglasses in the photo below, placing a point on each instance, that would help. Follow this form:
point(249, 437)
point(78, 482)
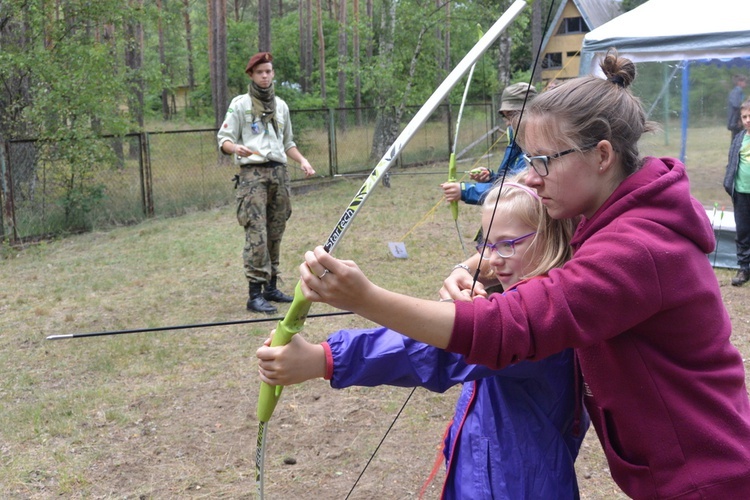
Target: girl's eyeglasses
point(504, 248)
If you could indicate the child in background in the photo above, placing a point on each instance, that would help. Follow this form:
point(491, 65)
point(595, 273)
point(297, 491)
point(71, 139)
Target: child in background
point(511, 104)
point(734, 102)
point(737, 185)
point(516, 432)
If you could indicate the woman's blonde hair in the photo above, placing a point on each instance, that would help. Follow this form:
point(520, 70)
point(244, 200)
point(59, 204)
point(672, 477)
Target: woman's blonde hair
point(550, 246)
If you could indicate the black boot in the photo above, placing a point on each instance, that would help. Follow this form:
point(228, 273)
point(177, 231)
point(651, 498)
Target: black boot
point(256, 302)
point(274, 294)
point(742, 277)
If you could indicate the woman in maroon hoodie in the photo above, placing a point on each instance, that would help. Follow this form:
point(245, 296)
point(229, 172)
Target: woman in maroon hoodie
point(639, 301)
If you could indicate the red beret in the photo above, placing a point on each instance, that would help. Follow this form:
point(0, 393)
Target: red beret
point(260, 57)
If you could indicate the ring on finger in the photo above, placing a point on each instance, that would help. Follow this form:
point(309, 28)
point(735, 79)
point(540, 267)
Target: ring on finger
point(325, 271)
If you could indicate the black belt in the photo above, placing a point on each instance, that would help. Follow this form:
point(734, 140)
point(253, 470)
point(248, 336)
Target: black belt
point(269, 163)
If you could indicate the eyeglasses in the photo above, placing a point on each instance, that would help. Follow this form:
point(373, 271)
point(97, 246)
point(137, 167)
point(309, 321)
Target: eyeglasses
point(504, 248)
point(540, 164)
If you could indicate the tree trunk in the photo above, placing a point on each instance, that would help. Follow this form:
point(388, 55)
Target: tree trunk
point(134, 62)
point(389, 118)
point(446, 62)
point(357, 77)
point(305, 45)
point(503, 61)
point(302, 41)
point(342, 63)
point(309, 43)
point(165, 111)
point(189, 44)
point(536, 40)
point(386, 123)
point(217, 53)
point(412, 72)
point(321, 53)
point(264, 25)
point(18, 174)
point(370, 35)
point(446, 42)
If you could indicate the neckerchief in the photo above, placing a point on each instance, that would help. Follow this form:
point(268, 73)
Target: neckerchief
point(264, 104)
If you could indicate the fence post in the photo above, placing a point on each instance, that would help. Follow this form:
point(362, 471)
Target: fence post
point(147, 192)
point(333, 166)
point(6, 193)
point(2, 188)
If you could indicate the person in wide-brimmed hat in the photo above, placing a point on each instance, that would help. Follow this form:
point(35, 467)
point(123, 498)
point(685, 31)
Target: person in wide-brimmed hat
point(511, 103)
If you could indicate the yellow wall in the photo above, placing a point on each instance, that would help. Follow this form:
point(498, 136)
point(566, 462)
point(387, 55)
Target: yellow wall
point(565, 43)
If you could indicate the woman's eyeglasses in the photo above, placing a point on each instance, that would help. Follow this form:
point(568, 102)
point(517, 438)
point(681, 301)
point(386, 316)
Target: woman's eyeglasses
point(540, 163)
point(504, 248)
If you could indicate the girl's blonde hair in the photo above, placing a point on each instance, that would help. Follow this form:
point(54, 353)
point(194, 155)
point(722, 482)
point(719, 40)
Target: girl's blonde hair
point(550, 246)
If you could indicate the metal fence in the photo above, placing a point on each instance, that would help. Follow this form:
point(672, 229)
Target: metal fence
point(127, 179)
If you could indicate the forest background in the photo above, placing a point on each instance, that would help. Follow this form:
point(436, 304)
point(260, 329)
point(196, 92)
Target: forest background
point(72, 67)
point(74, 74)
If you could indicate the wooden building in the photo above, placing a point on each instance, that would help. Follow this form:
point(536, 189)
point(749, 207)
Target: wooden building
point(561, 47)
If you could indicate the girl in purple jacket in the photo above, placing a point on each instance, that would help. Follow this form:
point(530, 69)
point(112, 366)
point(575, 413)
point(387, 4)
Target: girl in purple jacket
point(639, 300)
point(516, 432)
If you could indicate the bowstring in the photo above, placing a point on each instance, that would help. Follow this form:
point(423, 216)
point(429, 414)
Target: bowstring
point(388, 430)
point(513, 145)
point(481, 256)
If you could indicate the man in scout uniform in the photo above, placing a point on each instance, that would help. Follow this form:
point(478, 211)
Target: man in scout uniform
point(257, 131)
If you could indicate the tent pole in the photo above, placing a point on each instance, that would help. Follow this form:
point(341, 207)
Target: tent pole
point(685, 107)
point(665, 103)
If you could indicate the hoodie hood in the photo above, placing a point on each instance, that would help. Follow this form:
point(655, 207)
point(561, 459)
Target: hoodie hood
point(656, 194)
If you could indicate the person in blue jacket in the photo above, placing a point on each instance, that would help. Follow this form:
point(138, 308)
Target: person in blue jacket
point(516, 432)
point(511, 104)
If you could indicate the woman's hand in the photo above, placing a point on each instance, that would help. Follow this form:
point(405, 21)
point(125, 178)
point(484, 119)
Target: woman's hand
point(342, 284)
point(339, 283)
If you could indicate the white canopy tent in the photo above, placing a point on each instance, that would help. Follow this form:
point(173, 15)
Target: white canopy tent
point(679, 30)
point(673, 30)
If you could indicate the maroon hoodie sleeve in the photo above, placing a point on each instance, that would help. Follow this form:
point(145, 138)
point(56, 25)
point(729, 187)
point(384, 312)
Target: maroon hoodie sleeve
point(588, 300)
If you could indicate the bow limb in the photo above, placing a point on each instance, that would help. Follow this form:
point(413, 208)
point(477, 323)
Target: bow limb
point(269, 395)
point(452, 161)
point(300, 307)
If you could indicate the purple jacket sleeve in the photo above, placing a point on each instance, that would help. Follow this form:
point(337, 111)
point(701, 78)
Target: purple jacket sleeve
point(380, 356)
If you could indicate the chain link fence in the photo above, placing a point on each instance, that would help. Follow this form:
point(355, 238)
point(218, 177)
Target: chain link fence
point(51, 188)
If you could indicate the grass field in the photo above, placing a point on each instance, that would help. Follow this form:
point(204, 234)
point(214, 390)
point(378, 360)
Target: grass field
point(172, 414)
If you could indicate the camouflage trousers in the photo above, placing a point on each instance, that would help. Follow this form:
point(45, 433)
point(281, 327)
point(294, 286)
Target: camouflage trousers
point(263, 207)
